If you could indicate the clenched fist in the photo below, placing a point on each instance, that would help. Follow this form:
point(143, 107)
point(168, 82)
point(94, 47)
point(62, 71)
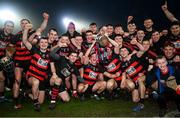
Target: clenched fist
point(46, 15)
point(28, 26)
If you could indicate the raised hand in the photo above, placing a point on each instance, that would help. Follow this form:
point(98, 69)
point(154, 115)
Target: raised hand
point(130, 18)
point(62, 44)
point(164, 7)
point(45, 15)
point(28, 26)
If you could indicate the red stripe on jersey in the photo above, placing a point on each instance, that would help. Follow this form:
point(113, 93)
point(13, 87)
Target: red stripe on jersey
point(118, 78)
point(23, 53)
point(28, 58)
point(39, 66)
point(87, 70)
point(37, 71)
point(87, 77)
point(21, 48)
point(135, 78)
point(33, 75)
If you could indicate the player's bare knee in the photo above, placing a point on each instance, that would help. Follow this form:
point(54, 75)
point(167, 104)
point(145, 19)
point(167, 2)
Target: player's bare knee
point(41, 101)
point(122, 86)
point(110, 85)
point(104, 84)
point(131, 86)
point(35, 82)
point(58, 81)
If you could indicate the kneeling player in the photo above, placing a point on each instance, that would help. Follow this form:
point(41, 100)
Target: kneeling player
point(134, 76)
point(92, 75)
point(64, 68)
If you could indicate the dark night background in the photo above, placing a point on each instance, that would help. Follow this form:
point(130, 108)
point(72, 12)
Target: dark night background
point(100, 11)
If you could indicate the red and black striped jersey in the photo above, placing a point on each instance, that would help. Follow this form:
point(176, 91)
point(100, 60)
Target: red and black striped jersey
point(133, 67)
point(4, 41)
point(39, 64)
point(114, 64)
point(91, 74)
point(22, 53)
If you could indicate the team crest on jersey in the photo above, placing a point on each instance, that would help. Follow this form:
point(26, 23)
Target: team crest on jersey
point(3, 44)
point(65, 72)
point(131, 70)
point(42, 62)
point(92, 74)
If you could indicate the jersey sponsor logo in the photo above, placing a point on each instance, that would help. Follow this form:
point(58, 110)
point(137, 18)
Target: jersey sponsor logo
point(111, 67)
point(65, 72)
point(42, 62)
point(3, 45)
point(92, 74)
point(131, 70)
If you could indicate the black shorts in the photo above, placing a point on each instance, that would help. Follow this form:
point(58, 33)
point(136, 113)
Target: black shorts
point(1, 67)
point(62, 87)
point(42, 85)
point(23, 64)
point(89, 90)
point(136, 85)
point(118, 83)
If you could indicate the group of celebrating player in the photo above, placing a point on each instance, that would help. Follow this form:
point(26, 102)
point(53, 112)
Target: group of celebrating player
point(102, 63)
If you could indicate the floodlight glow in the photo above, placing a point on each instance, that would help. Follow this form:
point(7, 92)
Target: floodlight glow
point(78, 23)
point(7, 15)
point(66, 21)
